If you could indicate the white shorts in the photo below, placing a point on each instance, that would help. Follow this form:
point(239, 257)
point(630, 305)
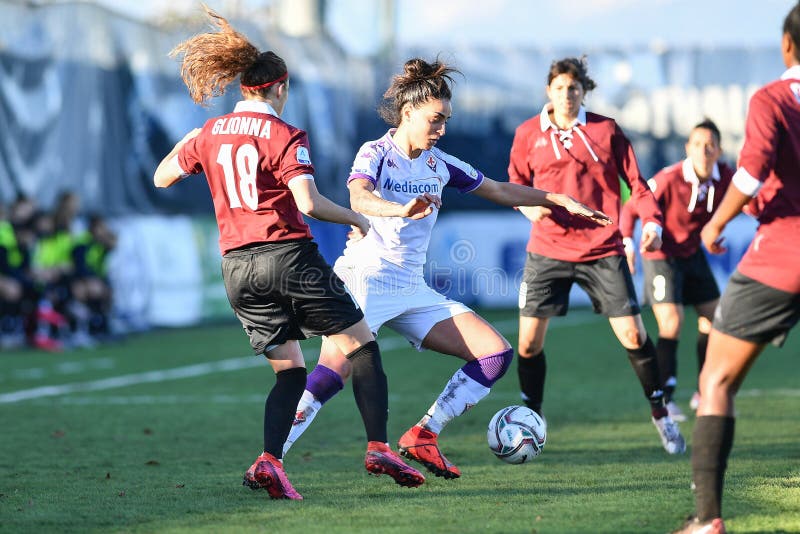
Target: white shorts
point(409, 307)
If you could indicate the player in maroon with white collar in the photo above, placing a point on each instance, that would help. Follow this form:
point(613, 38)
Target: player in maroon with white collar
point(761, 302)
point(261, 179)
point(678, 274)
point(565, 148)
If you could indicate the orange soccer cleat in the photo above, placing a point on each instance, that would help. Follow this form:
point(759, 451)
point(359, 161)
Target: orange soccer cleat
point(422, 445)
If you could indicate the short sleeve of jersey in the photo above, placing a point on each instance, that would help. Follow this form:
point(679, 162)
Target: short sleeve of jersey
point(188, 157)
point(463, 176)
point(760, 137)
point(366, 164)
point(296, 159)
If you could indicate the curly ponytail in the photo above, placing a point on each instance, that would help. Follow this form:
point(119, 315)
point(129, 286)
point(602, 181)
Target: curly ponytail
point(213, 60)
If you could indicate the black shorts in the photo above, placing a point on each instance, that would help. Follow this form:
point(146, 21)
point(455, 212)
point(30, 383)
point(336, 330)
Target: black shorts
point(686, 281)
point(754, 312)
point(546, 284)
point(286, 290)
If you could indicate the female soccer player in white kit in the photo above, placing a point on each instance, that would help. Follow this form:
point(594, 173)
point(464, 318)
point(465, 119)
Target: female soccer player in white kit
point(384, 270)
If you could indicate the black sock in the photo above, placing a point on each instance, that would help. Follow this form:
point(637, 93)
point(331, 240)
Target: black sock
point(532, 372)
point(280, 408)
point(702, 345)
point(371, 390)
point(667, 350)
point(644, 361)
point(711, 445)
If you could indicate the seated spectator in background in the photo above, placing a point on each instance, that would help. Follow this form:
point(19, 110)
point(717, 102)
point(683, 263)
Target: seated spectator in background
point(17, 294)
point(51, 269)
point(54, 288)
point(90, 289)
point(12, 334)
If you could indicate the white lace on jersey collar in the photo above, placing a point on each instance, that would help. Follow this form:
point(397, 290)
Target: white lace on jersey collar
point(700, 192)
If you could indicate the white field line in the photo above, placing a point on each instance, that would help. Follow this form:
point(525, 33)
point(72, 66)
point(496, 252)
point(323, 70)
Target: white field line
point(255, 398)
point(387, 344)
point(61, 368)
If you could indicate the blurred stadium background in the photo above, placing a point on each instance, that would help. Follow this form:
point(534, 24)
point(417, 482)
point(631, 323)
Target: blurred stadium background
point(90, 102)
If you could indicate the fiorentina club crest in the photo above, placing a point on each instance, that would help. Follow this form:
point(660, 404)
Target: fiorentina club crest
point(431, 162)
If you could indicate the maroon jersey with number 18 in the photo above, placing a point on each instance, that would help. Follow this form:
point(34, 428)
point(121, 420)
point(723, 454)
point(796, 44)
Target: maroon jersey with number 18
point(249, 157)
point(770, 159)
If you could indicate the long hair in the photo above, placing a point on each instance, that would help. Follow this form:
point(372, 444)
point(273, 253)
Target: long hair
point(578, 68)
point(213, 60)
point(419, 82)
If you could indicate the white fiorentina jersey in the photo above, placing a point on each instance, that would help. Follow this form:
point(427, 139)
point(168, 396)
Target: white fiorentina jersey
point(397, 178)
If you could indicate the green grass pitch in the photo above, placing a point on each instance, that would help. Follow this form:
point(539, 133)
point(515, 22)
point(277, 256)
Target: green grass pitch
point(153, 435)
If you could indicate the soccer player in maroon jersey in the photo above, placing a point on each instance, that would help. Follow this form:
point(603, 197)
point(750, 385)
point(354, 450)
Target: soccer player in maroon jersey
point(761, 302)
point(261, 179)
point(565, 148)
point(688, 193)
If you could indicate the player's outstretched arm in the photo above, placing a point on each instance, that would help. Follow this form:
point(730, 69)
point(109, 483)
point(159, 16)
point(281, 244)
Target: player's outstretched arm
point(535, 213)
point(169, 171)
point(314, 204)
point(364, 201)
point(508, 194)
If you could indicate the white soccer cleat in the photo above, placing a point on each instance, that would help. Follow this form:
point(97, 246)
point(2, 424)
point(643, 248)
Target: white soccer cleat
point(670, 434)
point(675, 412)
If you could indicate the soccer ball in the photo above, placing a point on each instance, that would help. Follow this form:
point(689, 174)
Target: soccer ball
point(516, 434)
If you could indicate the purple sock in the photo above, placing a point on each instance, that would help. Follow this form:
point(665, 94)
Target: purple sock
point(324, 383)
point(488, 370)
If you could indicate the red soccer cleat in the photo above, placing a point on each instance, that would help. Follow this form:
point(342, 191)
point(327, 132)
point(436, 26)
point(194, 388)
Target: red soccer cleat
point(267, 473)
point(50, 316)
point(44, 342)
point(693, 526)
point(422, 445)
point(380, 459)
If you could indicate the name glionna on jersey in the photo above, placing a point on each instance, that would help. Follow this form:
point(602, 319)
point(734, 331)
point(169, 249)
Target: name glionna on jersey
point(242, 126)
